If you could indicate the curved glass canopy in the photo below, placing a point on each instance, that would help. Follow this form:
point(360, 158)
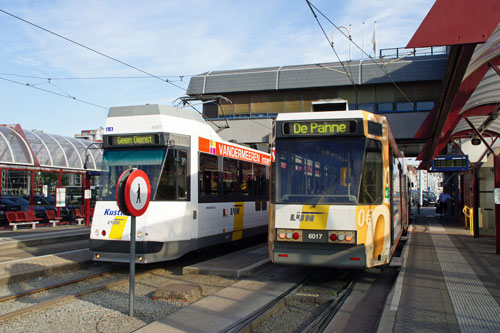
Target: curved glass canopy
point(25, 147)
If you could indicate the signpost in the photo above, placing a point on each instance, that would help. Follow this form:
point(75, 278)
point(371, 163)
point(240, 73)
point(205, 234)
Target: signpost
point(132, 196)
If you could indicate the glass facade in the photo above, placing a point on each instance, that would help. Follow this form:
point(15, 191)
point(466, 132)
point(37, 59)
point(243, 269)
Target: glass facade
point(36, 148)
point(33, 165)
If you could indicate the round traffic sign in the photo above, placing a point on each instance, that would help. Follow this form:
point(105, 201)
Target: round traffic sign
point(133, 192)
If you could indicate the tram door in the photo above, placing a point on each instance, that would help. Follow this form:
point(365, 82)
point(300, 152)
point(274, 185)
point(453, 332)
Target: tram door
point(396, 187)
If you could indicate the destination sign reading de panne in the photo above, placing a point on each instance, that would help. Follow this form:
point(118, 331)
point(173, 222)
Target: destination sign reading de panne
point(319, 127)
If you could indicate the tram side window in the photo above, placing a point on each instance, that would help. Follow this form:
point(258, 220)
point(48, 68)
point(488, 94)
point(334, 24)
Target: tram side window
point(174, 180)
point(261, 188)
point(371, 191)
point(247, 180)
point(209, 175)
point(230, 178)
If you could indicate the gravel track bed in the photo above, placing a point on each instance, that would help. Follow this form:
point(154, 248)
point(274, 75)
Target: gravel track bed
point(306, 304)
point(102, 311)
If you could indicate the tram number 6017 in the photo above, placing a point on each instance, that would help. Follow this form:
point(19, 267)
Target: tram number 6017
point(315, 236)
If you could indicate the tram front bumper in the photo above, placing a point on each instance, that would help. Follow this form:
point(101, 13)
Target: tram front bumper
point(353, 257)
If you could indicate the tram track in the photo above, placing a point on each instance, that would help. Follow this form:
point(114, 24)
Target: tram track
point(264, 318)
point(56, 285)
point(320, 323)
point(115, 283)
point(97, 302)
point(55, 300)
point(107, 285)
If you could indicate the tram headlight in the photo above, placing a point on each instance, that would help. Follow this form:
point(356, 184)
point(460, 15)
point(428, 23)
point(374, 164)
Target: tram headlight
point(342, 236)
point(288, 235)
point(96, 232)
point(97, 256)
point(139, 234)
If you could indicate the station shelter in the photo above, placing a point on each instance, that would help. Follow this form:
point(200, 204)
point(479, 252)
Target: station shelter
point(465, 116)
point(43, 171)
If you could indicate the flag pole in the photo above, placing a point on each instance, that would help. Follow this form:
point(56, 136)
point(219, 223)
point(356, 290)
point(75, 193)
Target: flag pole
point(363, 43)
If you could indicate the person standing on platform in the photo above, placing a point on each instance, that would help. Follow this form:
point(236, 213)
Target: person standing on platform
point(443, 203)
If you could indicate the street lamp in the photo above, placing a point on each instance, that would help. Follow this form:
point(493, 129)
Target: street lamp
point(348, 30)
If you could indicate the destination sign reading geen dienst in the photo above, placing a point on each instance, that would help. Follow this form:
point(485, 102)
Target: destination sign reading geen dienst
point(134, 140)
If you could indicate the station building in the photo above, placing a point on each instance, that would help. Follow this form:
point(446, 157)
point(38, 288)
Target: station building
point(412, 87)
point(41, 171)
point(402, 85)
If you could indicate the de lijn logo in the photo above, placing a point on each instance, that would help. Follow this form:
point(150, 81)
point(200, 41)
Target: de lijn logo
point(235, 210)
point(304, 216)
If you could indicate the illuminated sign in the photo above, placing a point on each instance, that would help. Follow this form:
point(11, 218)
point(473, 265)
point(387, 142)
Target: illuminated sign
point(320, 127)
point(134, 140)
point(450, 163)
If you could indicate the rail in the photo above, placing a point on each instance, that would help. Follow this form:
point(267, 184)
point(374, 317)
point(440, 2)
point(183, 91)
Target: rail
point(317, 324)
point(399, 52)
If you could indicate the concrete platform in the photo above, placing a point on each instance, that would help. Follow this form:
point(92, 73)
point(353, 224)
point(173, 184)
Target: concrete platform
point(218, 312)
point(30, 237)
point(12, 271)
point(243, 263)
point(449, 282)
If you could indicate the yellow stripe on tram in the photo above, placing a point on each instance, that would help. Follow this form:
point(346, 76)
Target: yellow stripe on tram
point(314, 217)
point(118, 226)
point(239, 213)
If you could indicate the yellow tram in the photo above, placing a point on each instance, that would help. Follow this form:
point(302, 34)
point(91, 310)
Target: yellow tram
point(339, 192)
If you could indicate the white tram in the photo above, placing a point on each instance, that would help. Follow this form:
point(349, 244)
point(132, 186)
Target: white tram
point(204, 191)
point(339, 192)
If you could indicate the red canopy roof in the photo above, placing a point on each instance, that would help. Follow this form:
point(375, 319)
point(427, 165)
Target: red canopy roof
point(457, 22)
point(462, 24)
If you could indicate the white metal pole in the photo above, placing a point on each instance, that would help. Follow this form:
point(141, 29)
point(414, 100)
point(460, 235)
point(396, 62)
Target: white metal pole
point(363, 43)
point(350, 43)
point(131, 291)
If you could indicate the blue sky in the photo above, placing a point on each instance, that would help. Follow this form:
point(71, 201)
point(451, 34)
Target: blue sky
point(173, 39)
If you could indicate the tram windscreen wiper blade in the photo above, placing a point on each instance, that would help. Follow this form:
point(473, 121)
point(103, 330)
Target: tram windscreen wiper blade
point(324, 193)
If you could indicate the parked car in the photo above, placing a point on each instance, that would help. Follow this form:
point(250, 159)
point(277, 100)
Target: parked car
point(429, 199)
point(49, 202)
point(7, 205)
point(24, 205)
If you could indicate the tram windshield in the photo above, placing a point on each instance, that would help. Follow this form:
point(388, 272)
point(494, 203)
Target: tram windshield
point(116, 161)
point(311, 171)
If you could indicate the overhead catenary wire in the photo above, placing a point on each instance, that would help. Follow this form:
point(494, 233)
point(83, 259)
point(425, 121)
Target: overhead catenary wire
point(314, 9)
point(181, 77)
point(52, 92)
point(52, 84)
point(331, 45)
point(91, 49)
